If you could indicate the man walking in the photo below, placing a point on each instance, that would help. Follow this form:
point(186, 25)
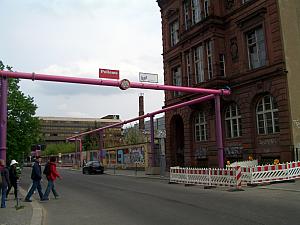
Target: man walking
point(51, 177)
point(36, 176)
point(4, 182)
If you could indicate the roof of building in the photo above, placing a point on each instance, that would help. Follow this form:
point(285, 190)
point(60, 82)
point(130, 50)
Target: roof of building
point(79, 119)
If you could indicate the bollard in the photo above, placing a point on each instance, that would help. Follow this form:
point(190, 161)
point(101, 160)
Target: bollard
point(135, 169)
point(114, 169)
point(238, 178)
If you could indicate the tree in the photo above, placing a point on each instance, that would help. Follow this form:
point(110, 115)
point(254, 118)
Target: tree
point(22, 125)
point(54, 149)
point(134, 136)
point(90, 141)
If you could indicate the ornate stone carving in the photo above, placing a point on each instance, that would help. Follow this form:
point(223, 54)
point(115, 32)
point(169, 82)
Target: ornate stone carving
point(234, 49)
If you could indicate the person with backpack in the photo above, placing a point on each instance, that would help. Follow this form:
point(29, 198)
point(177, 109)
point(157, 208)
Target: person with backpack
point(51, 174)
point(13, 178)
point(4, 182)
point(36, 177)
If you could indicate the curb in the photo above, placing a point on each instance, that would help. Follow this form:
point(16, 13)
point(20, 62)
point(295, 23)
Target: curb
point(129, 175)
point(145, 177)
point(37, 211)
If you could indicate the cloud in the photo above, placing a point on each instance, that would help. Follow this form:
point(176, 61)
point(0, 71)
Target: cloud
point(75, 38)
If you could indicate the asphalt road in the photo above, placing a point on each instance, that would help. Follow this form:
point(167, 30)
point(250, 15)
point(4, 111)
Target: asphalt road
point(119, 200)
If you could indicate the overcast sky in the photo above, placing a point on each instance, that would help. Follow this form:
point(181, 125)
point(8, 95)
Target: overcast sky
point(76, 38)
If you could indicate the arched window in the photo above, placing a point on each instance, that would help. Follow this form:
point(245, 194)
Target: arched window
point(267, 115)
point(200, 127)
point(233, 121)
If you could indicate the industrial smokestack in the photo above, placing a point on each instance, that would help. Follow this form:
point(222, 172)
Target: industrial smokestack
point(141, 111)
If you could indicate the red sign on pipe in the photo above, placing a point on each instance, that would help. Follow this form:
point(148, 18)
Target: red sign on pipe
point(107, 73)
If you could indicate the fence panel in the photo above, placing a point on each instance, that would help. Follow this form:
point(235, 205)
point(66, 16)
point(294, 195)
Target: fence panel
point(268, 173)
point(210, 177)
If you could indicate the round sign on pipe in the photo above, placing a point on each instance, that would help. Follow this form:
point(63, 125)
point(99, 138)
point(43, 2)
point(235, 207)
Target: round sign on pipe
point(124, 84)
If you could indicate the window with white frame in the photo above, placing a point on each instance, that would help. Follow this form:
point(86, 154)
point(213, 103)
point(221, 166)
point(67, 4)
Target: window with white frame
point(209, 52)
point(196, 11)
point(188, 67)
point(267, 115)
point(177, 79)
point(222, 65)
point(233, 121)
point(206, 8)
point(186, 9)
point(198, 64)
point(174, 33)
point(256, 48)
point(200, 127)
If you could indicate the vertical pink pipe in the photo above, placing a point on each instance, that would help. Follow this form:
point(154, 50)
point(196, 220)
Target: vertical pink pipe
point(101, 145)
point(152, 140)
point(219, 132)
point(3, 117)
point(80, 149)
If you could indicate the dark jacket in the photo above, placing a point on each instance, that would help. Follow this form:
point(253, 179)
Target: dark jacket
point(13, 176)
point(36, 173)
point(5, 176)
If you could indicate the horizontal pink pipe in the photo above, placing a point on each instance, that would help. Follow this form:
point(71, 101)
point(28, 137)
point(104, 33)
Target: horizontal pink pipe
point(191, 102)
point(115, 83)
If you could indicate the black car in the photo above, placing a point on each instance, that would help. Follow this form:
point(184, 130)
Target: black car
point(93, 167)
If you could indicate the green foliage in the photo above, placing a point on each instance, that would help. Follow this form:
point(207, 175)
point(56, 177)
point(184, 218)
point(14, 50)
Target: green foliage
point(54, 149)
point(90, 142)
point(134, 136)
point(22, 125)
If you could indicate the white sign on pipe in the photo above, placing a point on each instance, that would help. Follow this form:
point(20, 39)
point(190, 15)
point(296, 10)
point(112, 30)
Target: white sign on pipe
point(148, 77)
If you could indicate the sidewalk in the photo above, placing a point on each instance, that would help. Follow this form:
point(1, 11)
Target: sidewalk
point(27, 213)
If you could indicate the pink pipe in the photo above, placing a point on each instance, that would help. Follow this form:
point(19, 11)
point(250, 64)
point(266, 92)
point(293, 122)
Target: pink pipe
point(219, 133)
point(115, 83)
point(191, 102)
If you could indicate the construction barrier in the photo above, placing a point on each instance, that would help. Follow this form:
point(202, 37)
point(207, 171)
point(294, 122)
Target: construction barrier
point(207, 177)
point(248, 163)
point(271, 173)
point(235, 176)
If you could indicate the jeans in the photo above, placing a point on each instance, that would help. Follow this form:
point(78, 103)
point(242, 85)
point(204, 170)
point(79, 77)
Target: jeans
point(50, 187)
point(36, 184)
point(3, 196)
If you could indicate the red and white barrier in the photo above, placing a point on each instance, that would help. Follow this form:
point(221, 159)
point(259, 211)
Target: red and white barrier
point(208, 176)
point(237, 176)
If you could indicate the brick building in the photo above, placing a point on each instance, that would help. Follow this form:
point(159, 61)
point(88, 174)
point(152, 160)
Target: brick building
point(251, 46)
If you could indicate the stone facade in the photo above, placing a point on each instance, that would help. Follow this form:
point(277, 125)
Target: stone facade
point(239, 44)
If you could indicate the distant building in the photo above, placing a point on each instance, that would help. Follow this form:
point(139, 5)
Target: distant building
point(57, 129)
point(251, 46)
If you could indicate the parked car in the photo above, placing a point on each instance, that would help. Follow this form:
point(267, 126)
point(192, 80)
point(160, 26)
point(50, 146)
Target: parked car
point(93, 167)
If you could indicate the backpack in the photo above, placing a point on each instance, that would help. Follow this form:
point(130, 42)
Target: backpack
point(47, 169)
